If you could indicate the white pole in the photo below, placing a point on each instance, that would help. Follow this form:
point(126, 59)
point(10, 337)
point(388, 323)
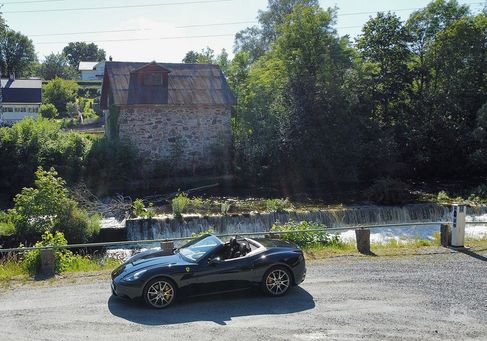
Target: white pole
point(458, 227)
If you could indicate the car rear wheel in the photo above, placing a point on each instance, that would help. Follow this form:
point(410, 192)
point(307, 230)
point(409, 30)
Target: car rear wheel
point(159, 293)
point(277, 281)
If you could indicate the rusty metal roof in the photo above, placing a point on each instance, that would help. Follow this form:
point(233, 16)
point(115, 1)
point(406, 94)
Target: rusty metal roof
point(188, 84)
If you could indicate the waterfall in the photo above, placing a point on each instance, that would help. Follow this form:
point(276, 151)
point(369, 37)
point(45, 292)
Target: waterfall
point(160, 228)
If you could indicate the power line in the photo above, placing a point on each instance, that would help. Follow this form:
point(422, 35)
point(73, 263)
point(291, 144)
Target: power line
point(87, 32)
point(29, 2)
point(174, 3)
point(115, 7)
point(141, 39)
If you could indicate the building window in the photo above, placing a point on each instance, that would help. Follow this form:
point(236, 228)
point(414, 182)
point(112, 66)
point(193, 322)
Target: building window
point(153, 78)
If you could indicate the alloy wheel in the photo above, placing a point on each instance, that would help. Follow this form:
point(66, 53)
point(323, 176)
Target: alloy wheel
point(277, 282)
point(160, 294)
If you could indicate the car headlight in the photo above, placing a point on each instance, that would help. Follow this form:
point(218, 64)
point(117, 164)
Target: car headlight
point(134, 276)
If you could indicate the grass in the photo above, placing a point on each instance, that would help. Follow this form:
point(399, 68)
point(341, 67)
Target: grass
point(389, 248)
point(13, 269)
point(88, 263)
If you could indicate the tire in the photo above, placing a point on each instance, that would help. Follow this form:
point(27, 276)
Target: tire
point(277, 281)
point(160, 293)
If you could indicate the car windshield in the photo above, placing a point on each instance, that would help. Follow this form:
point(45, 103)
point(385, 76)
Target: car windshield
point(198, 248)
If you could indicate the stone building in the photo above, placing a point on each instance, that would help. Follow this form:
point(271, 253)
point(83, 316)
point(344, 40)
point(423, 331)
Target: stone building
point(174, 114)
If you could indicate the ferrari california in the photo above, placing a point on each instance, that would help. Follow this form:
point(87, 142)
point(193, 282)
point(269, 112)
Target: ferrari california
point(207, 265)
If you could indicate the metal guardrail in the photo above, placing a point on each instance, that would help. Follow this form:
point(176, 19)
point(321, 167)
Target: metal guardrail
point(245, 234)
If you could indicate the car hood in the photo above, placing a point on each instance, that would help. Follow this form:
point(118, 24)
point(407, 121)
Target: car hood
point(149, 259)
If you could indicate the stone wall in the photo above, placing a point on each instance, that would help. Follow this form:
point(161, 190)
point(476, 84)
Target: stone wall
point(184, 137)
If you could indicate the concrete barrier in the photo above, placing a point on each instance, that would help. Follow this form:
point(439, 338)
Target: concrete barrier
point(445, 235)
point(363, 240)
point(48, 263)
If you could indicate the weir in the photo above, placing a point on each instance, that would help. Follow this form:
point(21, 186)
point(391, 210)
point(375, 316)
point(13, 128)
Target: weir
point(159, 228)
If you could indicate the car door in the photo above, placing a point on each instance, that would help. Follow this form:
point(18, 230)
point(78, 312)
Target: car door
point(226, 275)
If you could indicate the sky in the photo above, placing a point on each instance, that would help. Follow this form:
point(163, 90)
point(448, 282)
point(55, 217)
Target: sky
point(164, 30)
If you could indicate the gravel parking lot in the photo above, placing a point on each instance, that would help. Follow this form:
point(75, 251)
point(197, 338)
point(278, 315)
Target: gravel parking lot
point(350, 298)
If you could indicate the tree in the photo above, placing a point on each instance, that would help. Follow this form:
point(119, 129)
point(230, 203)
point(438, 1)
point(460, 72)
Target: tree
point(60, 92)
point(48, 111)
point(256, 40)
point(293, 118)
point(383, 46)
point(31, 143)
point(48, 208)
point(81, 51)
point(57, 65)
point(191, 57)
point(17, 54)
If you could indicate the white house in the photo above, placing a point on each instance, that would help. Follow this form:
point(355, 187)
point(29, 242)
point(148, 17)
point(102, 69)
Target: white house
point(91, 71)
point(19, 98)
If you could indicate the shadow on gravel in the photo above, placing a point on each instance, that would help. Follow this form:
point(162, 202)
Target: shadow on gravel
point(473, 254)
point(215, 308)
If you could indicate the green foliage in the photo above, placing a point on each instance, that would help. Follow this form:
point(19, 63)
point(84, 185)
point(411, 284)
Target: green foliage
point(17, 53)
point(388, 192)
point(443, 197)
point(48, 111)
point(32, 143)
point(66, 261)
point(139, 209)
point(278, 205)
point(225, 208)
point(60, 92)
point(300, 237)
point(110, 163)
point(57, 65)
point(7, 227)
point(202, 233)
point(48, 208)
point(179, 203)
point(81, 51)
point(32, 259)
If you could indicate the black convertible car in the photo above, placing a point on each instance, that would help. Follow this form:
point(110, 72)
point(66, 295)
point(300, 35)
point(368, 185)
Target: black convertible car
point(206, 265)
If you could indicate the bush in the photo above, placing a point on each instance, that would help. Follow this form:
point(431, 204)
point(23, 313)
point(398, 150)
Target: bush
point(305, 239)
point(48, 110)
point(443, 197)
point(225, 208)
point(139, 209)
point(7, 227)
point(31, 143)
point(110, 163)
point(59, 92)
point(32, 259)
point(179, 204)
point(388, 192)
point(277, 205)
point(48, 208)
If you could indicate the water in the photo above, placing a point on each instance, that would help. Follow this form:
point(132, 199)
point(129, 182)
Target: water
point(161, 228)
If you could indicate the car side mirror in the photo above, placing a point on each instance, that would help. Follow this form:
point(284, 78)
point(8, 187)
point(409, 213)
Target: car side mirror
point(214, 261)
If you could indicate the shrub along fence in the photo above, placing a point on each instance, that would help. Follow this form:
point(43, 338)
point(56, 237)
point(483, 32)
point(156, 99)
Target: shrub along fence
point(47, 262)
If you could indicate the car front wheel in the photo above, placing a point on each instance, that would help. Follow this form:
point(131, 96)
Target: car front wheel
point(277, 281)
point(159, 293)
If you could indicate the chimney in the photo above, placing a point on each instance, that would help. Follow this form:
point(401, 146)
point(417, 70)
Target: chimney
point(110, 58)
point(12, 76)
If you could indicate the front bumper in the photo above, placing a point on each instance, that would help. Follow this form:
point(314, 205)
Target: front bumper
point(127, 290)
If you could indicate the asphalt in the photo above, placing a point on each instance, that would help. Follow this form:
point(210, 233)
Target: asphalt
point(429, 297)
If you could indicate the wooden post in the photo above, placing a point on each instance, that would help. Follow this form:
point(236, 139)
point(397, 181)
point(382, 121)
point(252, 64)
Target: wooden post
point(167, 248)
point(363, 240)
point(445, 235)
point(48, 263)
